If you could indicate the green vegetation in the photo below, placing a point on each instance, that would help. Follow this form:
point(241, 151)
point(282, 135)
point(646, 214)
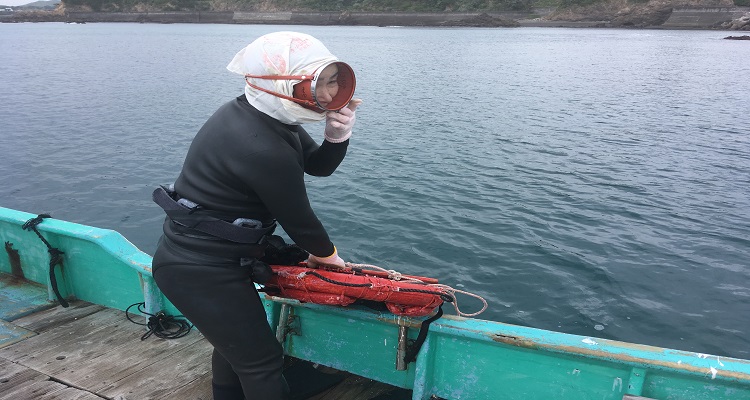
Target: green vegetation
point(340, 5)
point(128, 5)
point(402, 5)
point(315, 5)
point(569, 3)
point(545, 3)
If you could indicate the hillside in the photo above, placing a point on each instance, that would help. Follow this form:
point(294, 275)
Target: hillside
point(37, 5)
point(301, 5)
point(638, 13)
point(668, 14)
point(598, 7)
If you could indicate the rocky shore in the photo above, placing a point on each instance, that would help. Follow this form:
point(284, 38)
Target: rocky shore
point(655, 14)
point(738, 24)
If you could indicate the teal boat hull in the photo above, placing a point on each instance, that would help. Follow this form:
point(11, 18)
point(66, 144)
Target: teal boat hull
point(462, 358)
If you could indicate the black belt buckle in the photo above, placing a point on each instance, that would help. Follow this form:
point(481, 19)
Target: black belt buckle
point(260, 272)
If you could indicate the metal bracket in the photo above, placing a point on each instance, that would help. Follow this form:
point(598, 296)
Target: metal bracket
point(401, 350)
point(288, 324)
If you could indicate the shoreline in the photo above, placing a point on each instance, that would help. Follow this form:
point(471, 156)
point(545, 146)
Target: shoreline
point(678, 19)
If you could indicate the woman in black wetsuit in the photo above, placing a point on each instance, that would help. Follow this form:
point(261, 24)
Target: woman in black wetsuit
point(248, 162)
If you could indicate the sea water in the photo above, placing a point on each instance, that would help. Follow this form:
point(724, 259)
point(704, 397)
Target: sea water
point(590, 181)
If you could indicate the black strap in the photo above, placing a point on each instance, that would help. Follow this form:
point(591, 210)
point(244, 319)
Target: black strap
point(323, 278)
point(198, 220)
point(414, 347)
point(55, 254)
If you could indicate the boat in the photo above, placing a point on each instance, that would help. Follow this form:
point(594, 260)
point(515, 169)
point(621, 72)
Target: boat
point(460, 358)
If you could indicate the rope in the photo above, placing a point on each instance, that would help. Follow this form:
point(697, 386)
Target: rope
point(447, 291)
point(392, 274)
point(443, 295)
point(160, 324)
point(55, 254)
point(321, 277)
point(453, 292)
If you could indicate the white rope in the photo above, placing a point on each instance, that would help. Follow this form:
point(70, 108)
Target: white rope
point(395, 275)
point(453, 292)
point(392, 274)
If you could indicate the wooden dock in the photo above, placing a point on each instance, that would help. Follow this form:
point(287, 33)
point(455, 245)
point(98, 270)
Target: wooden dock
point(88, 352)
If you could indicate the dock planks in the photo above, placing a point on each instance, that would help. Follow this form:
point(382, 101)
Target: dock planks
point(88, 352)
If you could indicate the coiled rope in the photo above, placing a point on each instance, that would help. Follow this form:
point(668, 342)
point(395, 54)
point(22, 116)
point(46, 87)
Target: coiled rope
point(160, 324)
point(397, 276)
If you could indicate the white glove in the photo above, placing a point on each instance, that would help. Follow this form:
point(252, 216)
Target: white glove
point(339, 123)
point(333, 260)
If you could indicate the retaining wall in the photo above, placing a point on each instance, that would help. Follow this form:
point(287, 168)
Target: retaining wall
point(697, 18)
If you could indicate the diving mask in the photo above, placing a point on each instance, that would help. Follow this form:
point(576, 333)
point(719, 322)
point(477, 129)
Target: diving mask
point(329, 88)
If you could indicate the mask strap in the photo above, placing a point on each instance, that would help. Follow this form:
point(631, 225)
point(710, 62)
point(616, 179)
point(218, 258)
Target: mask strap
point(283, 96)
point(282, 77)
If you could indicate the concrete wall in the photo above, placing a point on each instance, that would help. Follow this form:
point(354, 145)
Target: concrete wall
point(697, 18)
point(372, 19)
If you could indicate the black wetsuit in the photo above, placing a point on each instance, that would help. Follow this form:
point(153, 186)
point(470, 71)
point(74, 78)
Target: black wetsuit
point(241, 164)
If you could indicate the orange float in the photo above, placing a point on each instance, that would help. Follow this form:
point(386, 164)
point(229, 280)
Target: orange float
point(405, 295)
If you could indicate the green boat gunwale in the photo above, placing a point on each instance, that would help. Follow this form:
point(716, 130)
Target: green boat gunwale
point(634, 355)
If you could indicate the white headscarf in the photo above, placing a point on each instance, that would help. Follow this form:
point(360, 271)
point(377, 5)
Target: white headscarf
point(281, 53)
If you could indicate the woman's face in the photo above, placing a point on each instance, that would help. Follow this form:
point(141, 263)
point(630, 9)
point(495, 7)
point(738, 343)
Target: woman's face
point(327, 85)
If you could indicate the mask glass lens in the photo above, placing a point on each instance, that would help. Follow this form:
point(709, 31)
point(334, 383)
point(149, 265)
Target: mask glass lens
point(334, 86)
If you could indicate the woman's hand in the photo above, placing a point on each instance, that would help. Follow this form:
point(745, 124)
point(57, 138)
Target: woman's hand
point(333, 260)
point(339, 123)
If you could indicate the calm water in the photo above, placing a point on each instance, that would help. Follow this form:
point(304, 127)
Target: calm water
point(586, 181)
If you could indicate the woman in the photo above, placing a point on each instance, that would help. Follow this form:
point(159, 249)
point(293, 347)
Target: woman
point(243, 173)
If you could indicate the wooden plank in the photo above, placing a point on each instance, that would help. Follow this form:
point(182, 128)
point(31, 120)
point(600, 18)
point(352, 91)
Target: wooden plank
point(199, 389)
point(21, 378)
point(11, 334)
point(70, 393)
point(45, 320)
point(12, 375)
point(355, 388)
point(64, 360)
point(35, 390)
point(99, 353)
point(19, 297)
point(72, 332)
point(18, 382)
point(163, 379)
point(103, 351)
point(47, 390)
point(98, 373)
point(97, 360)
